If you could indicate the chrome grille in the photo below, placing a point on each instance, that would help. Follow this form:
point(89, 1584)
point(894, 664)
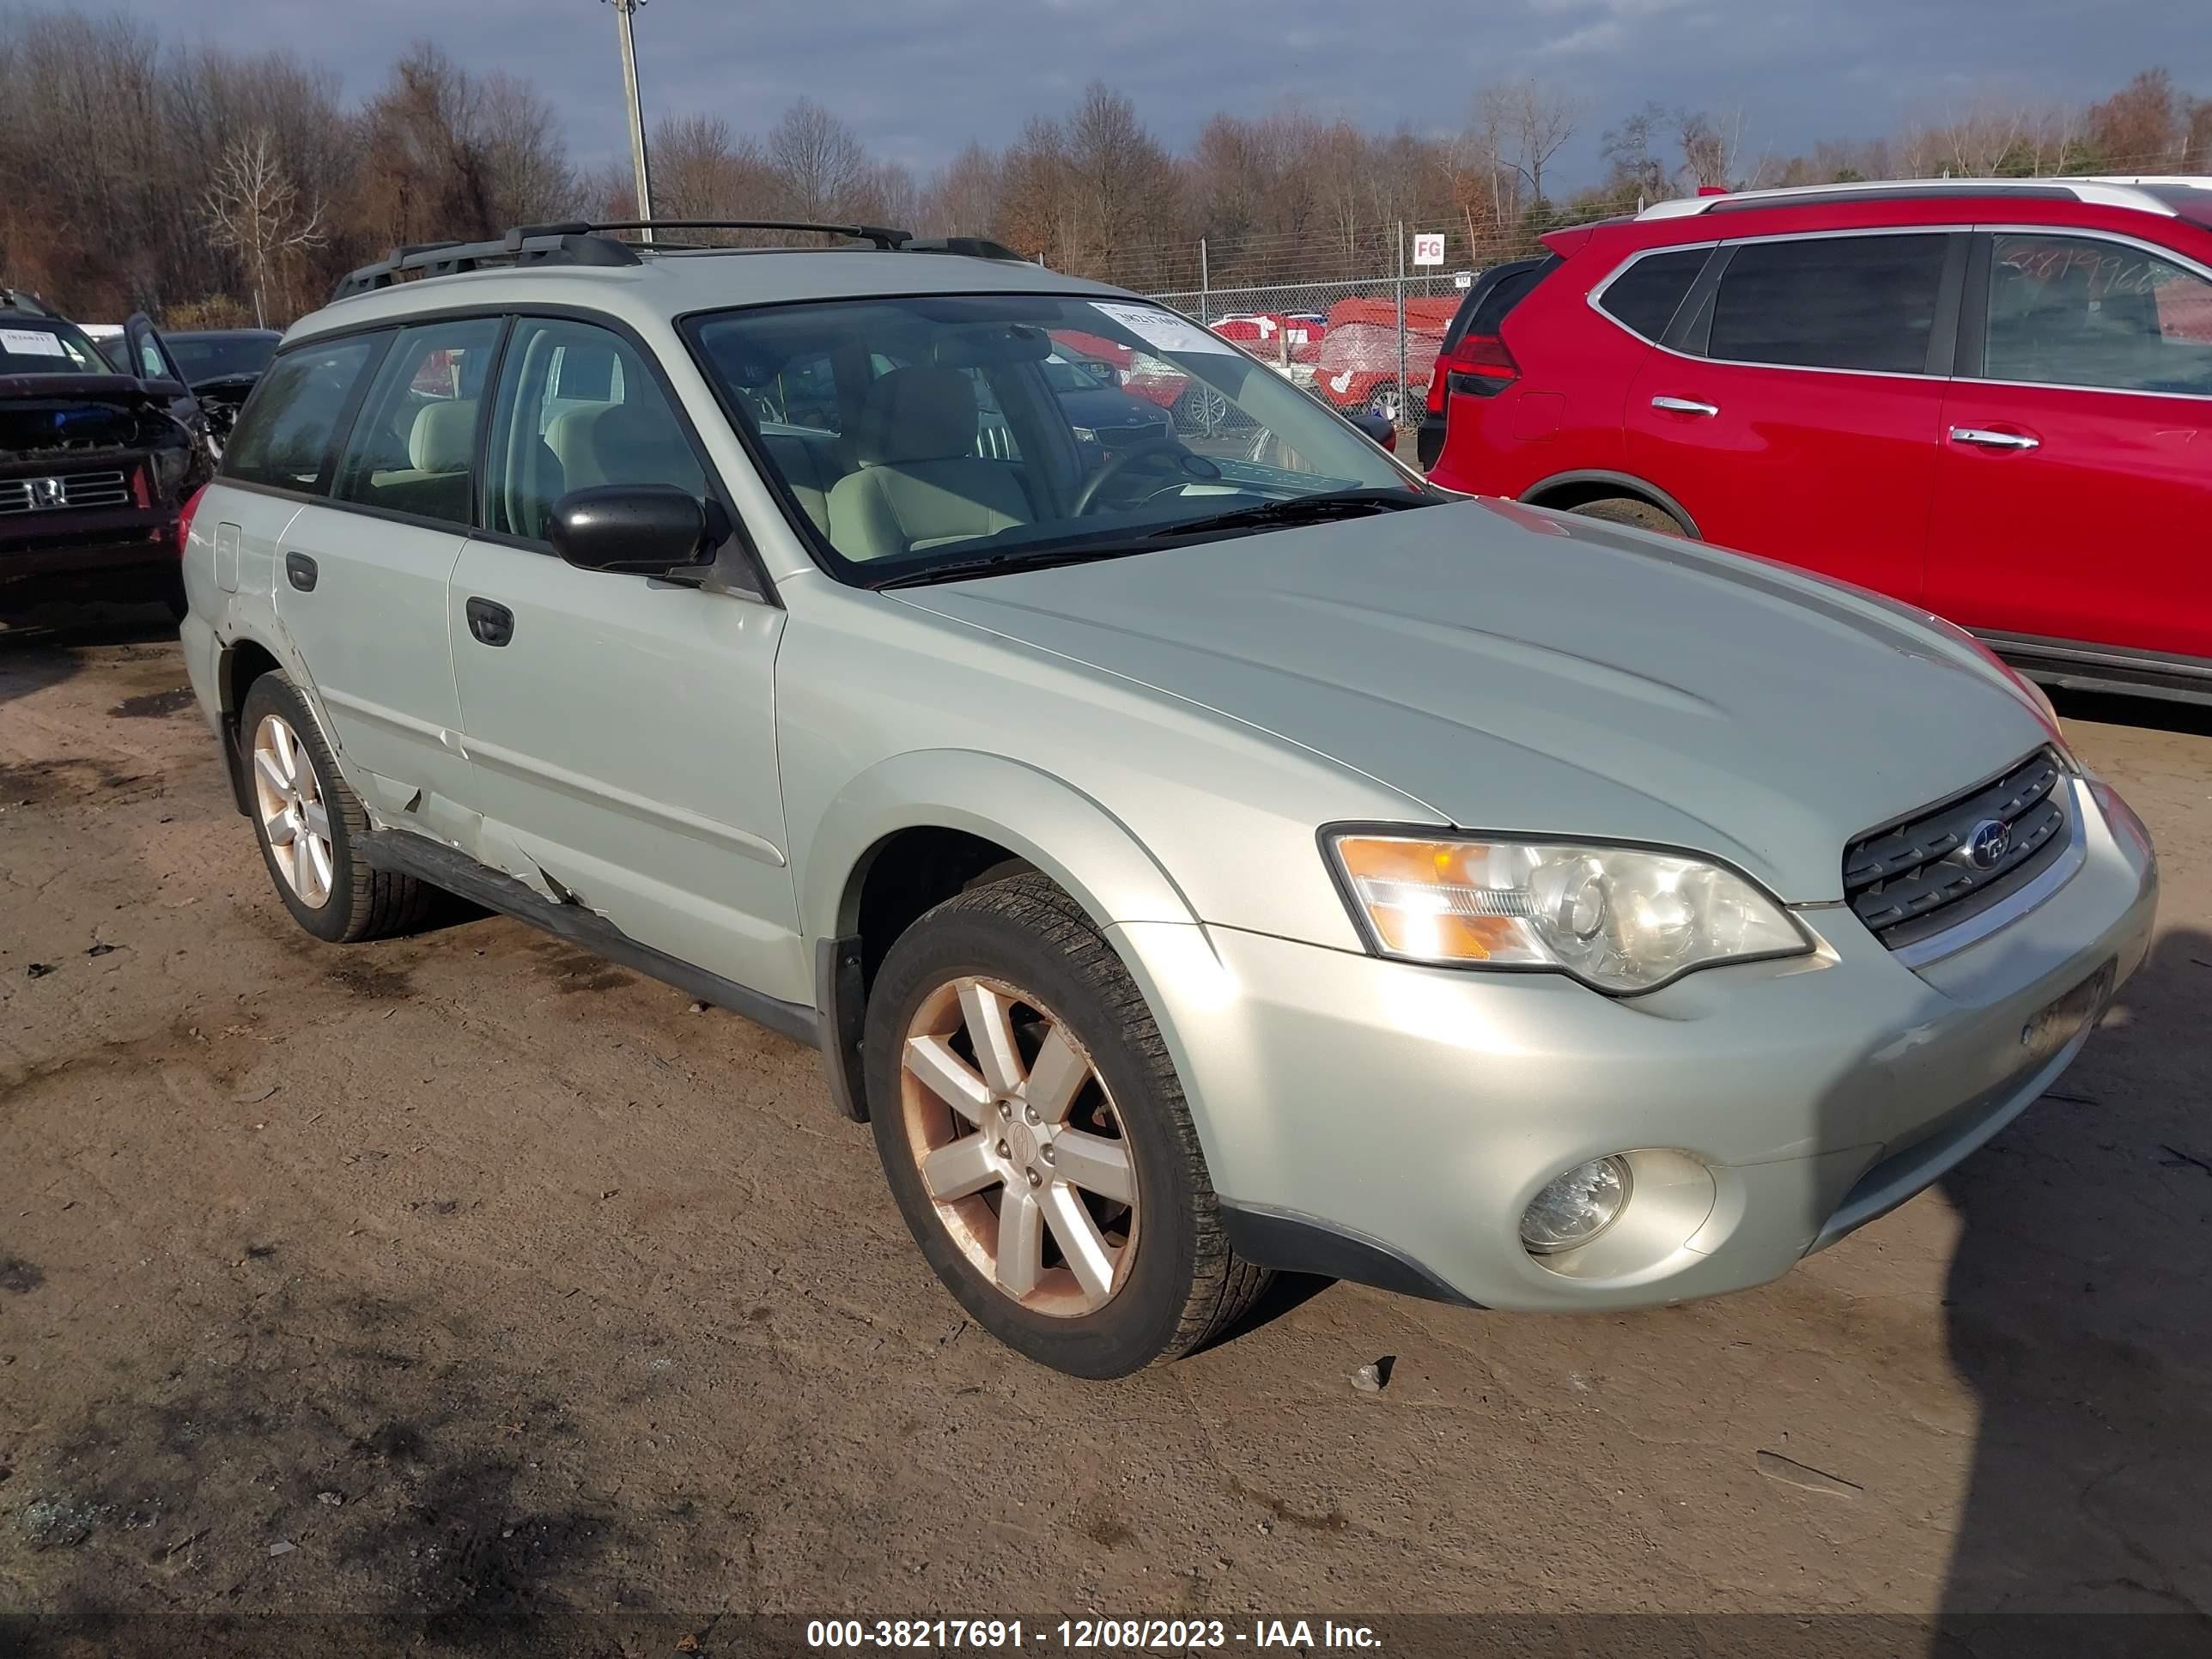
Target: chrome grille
point(110, 488)
point(1920, 877)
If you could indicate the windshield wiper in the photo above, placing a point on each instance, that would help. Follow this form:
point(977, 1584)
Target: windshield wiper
point(1326, 507)
point(999, 564)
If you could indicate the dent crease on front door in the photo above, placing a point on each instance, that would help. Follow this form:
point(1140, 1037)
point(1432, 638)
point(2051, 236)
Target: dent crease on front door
point(622, 738)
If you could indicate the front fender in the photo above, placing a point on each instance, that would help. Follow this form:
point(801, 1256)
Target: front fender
point(1039, 817)
point(1042, 819)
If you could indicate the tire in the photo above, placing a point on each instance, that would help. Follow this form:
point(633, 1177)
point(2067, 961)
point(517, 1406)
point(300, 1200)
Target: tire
point(1175, 1283)
point(1628, 510)
point(350, 902)
point(1387, 403)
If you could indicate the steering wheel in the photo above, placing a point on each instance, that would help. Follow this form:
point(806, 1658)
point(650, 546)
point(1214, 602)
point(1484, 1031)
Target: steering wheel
point(1116, 463)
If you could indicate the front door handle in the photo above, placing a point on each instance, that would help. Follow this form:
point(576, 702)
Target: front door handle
point(300, 571)
point(1685, 406)
point(1980, 438)
point(491, 624)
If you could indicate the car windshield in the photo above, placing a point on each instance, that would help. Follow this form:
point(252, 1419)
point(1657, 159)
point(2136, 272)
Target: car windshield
point(210, 356)
point(939, 434)
point(46, 346)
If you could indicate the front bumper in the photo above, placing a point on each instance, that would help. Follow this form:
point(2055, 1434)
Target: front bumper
point(123, 553)
point(1404, 1117)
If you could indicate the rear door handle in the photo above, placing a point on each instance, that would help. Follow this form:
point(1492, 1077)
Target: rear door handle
point(1980, 438)
point(491, 624)
point(300, 571)
point(1685, 406)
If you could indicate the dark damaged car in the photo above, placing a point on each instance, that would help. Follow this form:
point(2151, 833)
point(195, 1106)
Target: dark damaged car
point(95, 467)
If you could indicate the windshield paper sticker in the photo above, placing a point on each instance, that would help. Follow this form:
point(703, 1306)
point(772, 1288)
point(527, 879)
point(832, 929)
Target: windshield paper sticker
point(31, 343)
point(1163, 328)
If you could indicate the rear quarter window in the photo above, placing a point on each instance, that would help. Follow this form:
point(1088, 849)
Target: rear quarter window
point(288, 429)
point(1645, 297)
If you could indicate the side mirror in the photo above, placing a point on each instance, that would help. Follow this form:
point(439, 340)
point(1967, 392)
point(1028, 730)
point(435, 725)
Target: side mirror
point(641, 529)
point(1381, 428)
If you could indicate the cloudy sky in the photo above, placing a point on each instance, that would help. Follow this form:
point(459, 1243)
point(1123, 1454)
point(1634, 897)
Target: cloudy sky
point(919, 78)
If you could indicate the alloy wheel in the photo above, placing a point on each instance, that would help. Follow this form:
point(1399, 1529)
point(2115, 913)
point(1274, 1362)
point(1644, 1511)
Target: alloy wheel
point(1019, 1146)
point(292, 810)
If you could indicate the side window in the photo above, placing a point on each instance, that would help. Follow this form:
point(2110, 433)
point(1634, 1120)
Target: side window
point(2081, 310)
point(288, 429)
point(578, 408)
point(1865, 302)
point(1645, 297)
point(413, 447)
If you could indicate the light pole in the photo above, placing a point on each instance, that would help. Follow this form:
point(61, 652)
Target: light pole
point(623, 10)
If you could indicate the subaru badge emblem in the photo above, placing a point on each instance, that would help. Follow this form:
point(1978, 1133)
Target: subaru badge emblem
point(1988, 843)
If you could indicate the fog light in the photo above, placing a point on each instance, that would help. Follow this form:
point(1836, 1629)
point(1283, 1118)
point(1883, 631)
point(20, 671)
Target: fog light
point(1577, 1207)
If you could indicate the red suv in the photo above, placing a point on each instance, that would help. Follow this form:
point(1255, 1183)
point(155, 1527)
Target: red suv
point(1992, 397)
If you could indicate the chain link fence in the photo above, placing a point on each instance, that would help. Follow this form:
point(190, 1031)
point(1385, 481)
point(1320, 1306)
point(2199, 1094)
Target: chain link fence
point(1363, 344)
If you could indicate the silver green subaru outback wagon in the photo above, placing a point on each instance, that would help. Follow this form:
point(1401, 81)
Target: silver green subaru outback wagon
point(1197, 847)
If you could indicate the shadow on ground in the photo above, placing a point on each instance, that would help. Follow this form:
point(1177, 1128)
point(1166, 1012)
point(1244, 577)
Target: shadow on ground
point(2076, 1312)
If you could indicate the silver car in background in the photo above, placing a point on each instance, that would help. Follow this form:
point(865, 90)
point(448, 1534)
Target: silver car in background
point(1192, 864)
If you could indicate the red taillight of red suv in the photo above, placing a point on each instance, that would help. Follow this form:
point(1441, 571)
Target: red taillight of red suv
point(185, 517)
point(1479, 366)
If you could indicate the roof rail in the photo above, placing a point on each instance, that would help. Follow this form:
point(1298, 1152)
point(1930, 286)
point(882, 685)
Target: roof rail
point(14, 299)
point(972, 248)
point(881, 235)
point(586, 242)
point(2103, 192)
point(524, 245)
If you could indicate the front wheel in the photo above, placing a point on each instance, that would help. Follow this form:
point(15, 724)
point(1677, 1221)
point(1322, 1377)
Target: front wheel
point(1629, 510)
point(1035, 1136)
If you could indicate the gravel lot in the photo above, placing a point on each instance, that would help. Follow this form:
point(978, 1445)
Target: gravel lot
point(492, 1281)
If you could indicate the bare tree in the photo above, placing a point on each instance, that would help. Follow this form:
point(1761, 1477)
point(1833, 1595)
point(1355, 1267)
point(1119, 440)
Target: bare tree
point(819, 162)
point(2142, 125)
point(1712, 148)
point(1536, 122)
point(1633, 166)
point(963, 199)
point(253, 208)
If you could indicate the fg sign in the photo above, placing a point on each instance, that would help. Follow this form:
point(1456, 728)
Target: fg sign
point(1429, 247)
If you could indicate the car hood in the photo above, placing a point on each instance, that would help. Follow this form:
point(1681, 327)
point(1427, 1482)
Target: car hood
point(44, 414)
point(1516, 671)
point(1102, 406)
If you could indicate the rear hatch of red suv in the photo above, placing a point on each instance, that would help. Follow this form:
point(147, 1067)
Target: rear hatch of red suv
point(1472, 360)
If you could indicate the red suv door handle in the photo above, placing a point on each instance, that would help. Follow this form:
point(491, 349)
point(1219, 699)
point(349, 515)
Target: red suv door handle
point(1685, 406)
point(1981, 438)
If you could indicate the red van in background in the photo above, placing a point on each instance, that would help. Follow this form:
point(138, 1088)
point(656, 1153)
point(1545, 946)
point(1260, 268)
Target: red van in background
point(1990, 398)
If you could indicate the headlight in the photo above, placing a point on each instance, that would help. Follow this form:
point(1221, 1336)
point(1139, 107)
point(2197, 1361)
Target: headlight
point(1084, 435)
point(1621, 919)
point(170, 466)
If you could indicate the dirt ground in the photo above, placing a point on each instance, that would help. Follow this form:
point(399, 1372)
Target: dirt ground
point(465, 1279)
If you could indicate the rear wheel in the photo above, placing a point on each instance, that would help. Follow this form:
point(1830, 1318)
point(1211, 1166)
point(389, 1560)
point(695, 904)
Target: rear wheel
point(308, 823)
point(1386, 402)
point(1036, 1140)
point(1629, 510)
